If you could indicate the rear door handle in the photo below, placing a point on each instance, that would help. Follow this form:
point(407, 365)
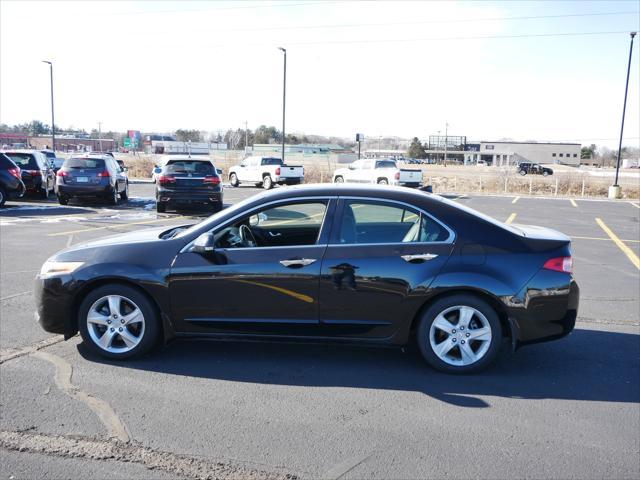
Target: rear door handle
point(418, 258)
point(297, 262)
point(277, 234)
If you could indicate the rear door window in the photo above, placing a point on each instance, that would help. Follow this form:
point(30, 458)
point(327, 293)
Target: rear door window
point(25, 161)
point(382, 222)
point(190, 168)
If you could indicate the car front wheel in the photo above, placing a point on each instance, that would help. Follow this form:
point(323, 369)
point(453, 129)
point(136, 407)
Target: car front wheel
point(233, 180)
point(118, 322)
point(460, 334)
point(522, 172)
point(124, 195)
point(3, 197)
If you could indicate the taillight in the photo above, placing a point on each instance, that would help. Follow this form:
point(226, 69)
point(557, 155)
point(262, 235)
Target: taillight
point(277, 170)
point(62, 173)
point(15, 172)
point(165, 179)
point(104, 174)
point(35, 173)
point(397, 176)
point(559, 264)
point(212, 180)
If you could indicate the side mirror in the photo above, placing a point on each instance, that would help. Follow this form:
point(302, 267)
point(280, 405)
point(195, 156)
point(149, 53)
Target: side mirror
point(204, 244)
point(256, 219)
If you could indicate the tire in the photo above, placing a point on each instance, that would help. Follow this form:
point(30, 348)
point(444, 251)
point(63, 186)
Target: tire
point(113, 197)
point(267, 183)
point(383, 181)
point(62, 200)
point(545, 173)
point(522, 172)
point(142, 332)
point(338, 179)
point(233, 180)
point(3, 197)
point(447, 311)
point(161, 207)
point(124, 195)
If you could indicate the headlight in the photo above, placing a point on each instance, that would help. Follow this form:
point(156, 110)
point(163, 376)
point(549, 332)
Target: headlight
point(50, 269)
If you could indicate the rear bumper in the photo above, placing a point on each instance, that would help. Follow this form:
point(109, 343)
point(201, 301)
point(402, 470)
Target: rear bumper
point(289, 181)
point(188, 198)
point(410, 184)
point(546, 309)
point(84, 190)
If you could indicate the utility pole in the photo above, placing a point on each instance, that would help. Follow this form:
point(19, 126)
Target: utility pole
point(446, 132)
point(284, 98)
point(100, 135)
point(53, 121)
point(615, 191)
point(246, 136)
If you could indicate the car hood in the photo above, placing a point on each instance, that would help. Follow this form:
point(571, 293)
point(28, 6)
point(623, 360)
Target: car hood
point(144, 235)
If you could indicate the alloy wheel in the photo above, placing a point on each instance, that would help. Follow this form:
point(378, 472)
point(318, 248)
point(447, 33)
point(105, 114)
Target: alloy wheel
point(115, 324)
point(460, 335)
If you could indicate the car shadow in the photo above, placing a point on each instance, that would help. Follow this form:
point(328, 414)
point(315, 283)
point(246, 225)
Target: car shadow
point(588, 365)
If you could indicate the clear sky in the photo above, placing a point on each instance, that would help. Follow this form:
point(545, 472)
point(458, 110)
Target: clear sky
point(491, 70)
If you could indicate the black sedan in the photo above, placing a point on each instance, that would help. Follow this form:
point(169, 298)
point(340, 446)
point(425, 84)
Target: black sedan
point(322, 262)
point(189, 181)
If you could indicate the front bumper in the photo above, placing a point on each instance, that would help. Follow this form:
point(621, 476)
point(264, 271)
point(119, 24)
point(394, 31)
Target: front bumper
point(54, 301)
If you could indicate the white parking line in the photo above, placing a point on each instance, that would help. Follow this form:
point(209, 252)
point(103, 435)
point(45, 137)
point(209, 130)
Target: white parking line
point(515, 199)
point(635, 204)
point(573, 202)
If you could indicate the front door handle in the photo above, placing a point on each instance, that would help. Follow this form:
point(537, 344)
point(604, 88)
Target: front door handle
point(297, 262)
point(277, 234)
point(418, 258)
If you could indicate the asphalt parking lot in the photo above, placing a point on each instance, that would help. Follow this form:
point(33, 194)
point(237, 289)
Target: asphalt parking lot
point(565, 409)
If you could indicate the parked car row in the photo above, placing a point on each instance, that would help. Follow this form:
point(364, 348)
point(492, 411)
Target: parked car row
point(382, 172)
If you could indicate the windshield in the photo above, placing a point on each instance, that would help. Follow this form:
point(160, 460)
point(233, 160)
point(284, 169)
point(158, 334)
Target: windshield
point(25, 161)
point(190, 167)
point(85, 163)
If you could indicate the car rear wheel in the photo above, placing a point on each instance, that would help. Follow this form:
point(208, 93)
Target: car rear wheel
point(338, 180)
point(522, 172)
point(62, 200)
point(3, 197)
point(267, 183)
point(124, 195)
point(233, 180)
point(383, 181)
point(113, 197)
point(161, 207)
point(118, 322)
point(545, 173)
point(460, 334)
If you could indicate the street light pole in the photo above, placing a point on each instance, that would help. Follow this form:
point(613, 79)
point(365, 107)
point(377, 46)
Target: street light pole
point(284, 98)
point(100, 135)
point(53, 122)
point(624, 108)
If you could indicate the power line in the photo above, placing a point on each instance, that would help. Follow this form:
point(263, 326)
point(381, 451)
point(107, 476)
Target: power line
point(427, 39)
point(424, 22)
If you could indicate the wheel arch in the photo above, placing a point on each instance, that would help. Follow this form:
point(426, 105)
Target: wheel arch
point(492, 300)
point(166, 327)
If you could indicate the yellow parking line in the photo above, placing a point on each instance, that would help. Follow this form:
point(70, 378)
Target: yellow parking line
point(601, 238)
point(107, 226)
point(635, 204)
point(515, 199)
point(573, 202)
point(627, 251)
point(511, 218)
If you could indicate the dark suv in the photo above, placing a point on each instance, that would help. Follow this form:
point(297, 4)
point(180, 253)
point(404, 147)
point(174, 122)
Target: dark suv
point(533, 168)
point(189, 181)
point(36, 172)
point(91, 176)
point(11, 185)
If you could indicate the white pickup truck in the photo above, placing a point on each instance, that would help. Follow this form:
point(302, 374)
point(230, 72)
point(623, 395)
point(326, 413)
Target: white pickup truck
point(384, 172)
point(265, 171)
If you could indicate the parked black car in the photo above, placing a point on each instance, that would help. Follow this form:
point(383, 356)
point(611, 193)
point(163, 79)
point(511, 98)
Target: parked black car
point(322, 262)
point(91, 176)
point(534, 168)
point(36, 172)
point(188, 181)
point(11, 185)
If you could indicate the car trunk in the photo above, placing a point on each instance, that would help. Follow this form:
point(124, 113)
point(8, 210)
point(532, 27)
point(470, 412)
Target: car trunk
point(542, 238)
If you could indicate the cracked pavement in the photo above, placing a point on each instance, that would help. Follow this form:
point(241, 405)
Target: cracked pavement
point(196, 409)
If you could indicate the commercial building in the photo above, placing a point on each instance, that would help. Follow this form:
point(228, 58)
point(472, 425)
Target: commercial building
point(456, 149)
point(308, 148)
